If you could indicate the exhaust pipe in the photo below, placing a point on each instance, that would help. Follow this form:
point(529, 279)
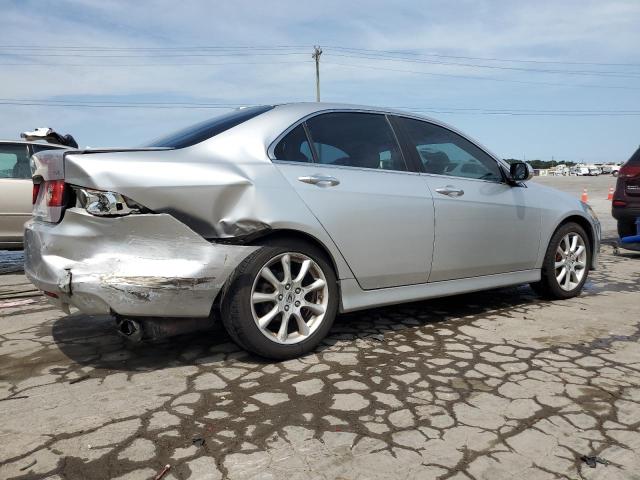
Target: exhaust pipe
point(156, 328)
point(130, 329)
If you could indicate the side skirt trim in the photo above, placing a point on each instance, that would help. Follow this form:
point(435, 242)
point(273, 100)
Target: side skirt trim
point(354, 298)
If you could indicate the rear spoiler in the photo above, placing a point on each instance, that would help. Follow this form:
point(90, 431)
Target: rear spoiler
point(87, 151)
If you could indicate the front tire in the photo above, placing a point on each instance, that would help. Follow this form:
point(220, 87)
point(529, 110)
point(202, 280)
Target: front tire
point(566, 264)
point(281, 300)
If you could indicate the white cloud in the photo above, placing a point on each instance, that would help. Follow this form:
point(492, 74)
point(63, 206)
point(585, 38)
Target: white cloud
point(581, 30)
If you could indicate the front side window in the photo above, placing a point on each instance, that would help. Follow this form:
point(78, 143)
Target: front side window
point(443, 152)
point(14, 161)
point(363, 140)
point(294, 147)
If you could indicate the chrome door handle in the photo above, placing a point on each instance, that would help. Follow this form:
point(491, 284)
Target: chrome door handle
point(450, 191)
point(320, 180)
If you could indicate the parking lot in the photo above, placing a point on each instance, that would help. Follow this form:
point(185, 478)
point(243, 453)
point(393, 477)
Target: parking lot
point(489, 385)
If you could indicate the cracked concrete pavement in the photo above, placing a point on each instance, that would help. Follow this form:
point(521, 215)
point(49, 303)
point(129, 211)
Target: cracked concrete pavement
point(490, 385)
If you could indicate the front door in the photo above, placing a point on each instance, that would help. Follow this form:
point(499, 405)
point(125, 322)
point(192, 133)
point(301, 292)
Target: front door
point(484, 226)
point(355, 181)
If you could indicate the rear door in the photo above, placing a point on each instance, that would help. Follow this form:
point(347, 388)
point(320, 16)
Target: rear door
point(483, 225)
point(15, 192)
point(349, 170)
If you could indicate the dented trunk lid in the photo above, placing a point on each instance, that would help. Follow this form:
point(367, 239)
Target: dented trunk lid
point(51, 194)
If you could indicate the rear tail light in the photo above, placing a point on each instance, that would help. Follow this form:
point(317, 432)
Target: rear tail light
point(629, 171)
point(619, 203)
point(34, 194)
point(54, 191)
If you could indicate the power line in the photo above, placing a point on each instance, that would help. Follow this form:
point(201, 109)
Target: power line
point(164, 55)
point(487, 59)
point(334, 47)
point(184, 64)
point(213, 105)
point(183, 48)
point(85, 105)
point(497, 67)
point(451, 75)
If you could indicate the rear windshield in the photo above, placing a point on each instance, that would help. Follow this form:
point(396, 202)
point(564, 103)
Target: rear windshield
point(209, 128)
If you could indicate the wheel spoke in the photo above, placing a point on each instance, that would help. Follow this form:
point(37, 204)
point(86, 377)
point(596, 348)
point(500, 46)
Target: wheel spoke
point(268, 275)
point(286, 268)
point(259, 297)
point(562, 274)
point(304, 269)
point(560, 264)
point(317, 285)
point(567, 247)
point(573, 278)
point(284, 327)
point(567, 281)
point(303, 328)
point(315, 308)
point(265, 320)
point(574, 243)
point(579, 250)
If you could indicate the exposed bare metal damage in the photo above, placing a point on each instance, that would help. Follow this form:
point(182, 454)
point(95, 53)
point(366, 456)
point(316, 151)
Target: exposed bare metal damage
point(139, 265)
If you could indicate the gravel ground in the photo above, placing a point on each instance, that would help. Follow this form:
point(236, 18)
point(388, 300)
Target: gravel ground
point(492, 385)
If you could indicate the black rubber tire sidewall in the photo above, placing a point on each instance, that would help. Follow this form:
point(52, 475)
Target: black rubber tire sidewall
point(236, 303)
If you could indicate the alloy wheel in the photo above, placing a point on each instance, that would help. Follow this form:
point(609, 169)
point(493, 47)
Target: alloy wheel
point(289, 298)
point(570, 261)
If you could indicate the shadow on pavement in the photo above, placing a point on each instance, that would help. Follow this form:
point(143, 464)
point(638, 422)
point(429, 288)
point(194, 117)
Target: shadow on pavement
point(93, 340)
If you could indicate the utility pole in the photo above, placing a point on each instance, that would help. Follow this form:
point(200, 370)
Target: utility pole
point(317, 51)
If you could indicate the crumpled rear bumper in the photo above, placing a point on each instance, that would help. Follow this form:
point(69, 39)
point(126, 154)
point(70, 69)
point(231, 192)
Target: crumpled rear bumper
point(137, 265)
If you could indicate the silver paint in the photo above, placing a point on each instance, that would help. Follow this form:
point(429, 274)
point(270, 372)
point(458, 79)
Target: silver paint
point(390, 235)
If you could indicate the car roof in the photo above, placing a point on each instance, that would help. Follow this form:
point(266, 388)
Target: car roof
point(300, 110)
point(307, 108)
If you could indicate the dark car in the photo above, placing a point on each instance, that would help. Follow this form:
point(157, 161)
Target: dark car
point(626, 199)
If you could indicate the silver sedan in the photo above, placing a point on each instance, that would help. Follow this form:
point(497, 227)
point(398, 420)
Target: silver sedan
point(275, 218)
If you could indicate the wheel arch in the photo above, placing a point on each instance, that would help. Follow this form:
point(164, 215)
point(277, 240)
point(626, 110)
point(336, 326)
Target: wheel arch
point(284, 234)
point(585, 224)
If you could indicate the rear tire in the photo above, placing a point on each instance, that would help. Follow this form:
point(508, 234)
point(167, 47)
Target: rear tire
point(566, 263)
point(280, 315)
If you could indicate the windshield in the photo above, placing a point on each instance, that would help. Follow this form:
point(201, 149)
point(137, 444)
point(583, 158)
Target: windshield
point(209, 128)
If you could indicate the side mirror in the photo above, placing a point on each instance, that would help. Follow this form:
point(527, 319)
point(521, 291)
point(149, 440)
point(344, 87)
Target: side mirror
point(520, 171)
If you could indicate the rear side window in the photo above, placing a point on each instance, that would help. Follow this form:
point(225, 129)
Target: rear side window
point(209, 128)
point(14, 161)
point(363, 140)
point(635, 159)
point(294, 147)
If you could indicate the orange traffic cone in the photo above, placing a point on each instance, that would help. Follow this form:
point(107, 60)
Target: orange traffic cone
point(585, 197)
point(610, 195)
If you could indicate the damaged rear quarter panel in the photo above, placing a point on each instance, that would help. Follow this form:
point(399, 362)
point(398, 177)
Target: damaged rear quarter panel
point(138, 265)
point(223, 188)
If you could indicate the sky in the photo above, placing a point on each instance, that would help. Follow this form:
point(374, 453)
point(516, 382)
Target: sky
point(536, 80)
